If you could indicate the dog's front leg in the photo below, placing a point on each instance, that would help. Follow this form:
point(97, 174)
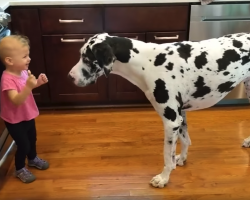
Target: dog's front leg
point(171, 130)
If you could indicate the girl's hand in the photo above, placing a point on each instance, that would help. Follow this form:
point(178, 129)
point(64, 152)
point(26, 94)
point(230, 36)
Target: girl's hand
point(31, 81)
point(42, 79)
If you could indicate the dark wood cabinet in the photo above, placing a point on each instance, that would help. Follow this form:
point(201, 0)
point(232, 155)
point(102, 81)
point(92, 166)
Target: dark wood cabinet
point(26, 22)
point(58, 32)
point(61, 54)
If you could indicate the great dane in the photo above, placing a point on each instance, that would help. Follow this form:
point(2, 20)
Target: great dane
point(175, 77)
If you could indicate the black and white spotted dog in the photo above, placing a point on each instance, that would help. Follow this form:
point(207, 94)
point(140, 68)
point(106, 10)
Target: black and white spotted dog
point(175, 77)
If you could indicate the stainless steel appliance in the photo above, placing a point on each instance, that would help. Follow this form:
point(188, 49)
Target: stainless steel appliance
point(6, 142)
point(215, 20)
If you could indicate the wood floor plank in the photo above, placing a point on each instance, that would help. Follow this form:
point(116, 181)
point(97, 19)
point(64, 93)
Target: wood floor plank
point(112, 154)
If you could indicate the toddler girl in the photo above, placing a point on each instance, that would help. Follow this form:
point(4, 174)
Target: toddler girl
point(18, 107)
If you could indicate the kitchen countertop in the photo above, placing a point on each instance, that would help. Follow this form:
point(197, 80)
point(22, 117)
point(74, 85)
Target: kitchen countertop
point(6, 3)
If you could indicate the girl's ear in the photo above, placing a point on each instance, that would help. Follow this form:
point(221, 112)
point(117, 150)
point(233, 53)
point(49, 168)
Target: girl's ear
point(8, 61)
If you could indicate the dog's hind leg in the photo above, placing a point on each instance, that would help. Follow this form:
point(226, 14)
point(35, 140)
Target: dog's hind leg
point(185, 141)
point(172, 122)
point(246, 142)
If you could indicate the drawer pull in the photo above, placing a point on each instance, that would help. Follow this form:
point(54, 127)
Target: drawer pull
point(71, 21)
point(135, 38)
point(72, 40)
point(167, 38)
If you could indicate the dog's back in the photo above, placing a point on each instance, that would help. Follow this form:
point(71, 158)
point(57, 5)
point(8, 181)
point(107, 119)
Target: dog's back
point(205, 72)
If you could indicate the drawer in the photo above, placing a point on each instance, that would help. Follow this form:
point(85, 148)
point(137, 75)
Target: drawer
point(71, 20)
point(166, 37)
point(137, 36)
point(146, 19)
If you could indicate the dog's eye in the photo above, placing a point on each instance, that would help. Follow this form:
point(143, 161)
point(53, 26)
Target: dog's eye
point(98, 70)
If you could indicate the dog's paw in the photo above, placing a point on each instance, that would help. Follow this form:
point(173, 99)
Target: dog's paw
point(180, 161)
point(158, 181)
point(246, 143)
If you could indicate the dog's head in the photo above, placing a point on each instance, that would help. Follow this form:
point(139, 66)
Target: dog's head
point(96, 59)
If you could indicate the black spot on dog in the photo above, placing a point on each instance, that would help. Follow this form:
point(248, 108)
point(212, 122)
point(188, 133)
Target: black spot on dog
point(86, 74)
point(179, 99)
point(91, 42)
point(243, 50)
point(180, 130)
point(209, 69)
point(183, 123)
point(160, 91)
point(135, 50)
point(160, 59)
point(184, 50)
point(121, 48)
point(173, 77)
point(92, 82)
point(226, 87)
point(236, 67)
point(245, 59)
point(201, 60)
point(229, 56)
point(201, 89)
point(150, 60)
point(186, 106)
point(171, 53)
point(170, 142)
point(89, 54)
point(228, 36)
point(176, 128)
point(226, 73)
point(237, 44)
point(170, 114)
point(240, 34)
point(143, 68)
point(182, 71)
point(170, 66)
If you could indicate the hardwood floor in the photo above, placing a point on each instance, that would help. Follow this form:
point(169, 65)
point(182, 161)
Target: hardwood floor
point(94, 154)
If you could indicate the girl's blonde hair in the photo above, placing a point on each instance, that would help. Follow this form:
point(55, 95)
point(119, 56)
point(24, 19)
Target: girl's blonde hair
point(21, 38)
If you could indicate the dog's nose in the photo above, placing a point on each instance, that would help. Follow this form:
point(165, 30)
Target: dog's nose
point(71, 77)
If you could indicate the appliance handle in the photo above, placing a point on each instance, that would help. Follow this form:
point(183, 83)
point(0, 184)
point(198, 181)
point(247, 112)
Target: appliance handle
point(214, 19)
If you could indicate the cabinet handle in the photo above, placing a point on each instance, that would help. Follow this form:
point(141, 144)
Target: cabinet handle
point(71, 21)
point(166, 38)
point(72, 40)
point(135, 38)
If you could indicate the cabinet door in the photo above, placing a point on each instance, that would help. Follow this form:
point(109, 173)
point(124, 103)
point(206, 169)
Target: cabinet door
point(120, 89)
point(61, 54)
point(26, 22)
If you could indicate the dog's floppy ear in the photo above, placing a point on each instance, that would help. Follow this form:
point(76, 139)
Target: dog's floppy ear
point(105, 56)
